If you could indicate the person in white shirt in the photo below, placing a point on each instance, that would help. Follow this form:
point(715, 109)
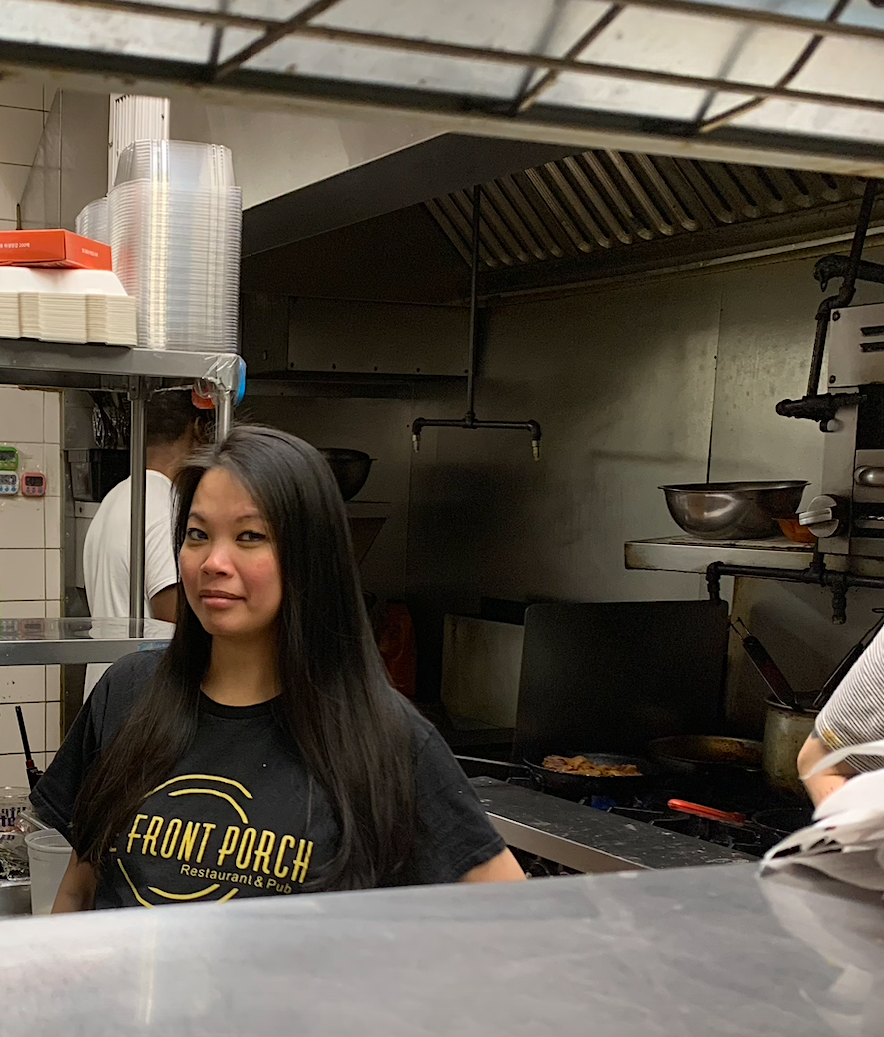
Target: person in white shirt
point(174, 428)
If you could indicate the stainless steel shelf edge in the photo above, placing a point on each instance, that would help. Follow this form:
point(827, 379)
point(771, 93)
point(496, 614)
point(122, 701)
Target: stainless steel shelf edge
point(686, 555)
point(59, 365)
point(53, 642)
point(585, 859)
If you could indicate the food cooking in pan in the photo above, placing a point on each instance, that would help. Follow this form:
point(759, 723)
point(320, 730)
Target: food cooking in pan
point(588, 769)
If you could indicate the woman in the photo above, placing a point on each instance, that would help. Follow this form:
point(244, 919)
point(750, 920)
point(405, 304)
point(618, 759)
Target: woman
point(853, 715)
point(264, 752)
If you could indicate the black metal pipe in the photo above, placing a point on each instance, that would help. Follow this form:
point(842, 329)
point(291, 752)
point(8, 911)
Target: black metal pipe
point(819, 347)
point(470, 421)
point(836, 266)
point(848, 286)
point(473, 422)
point(847, 291)
point(474, 300)
point(816, 574)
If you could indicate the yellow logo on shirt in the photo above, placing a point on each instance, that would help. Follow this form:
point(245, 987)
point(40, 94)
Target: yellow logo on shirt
point(237, 853)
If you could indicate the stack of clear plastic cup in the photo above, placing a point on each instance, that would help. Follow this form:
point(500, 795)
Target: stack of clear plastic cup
point(176, 237)
point(177, 162)
point(93, 221)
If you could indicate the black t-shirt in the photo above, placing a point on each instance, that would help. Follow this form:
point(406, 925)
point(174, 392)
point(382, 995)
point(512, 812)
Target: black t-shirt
point(240, 816)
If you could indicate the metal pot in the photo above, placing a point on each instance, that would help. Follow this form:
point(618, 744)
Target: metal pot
point(785, 731)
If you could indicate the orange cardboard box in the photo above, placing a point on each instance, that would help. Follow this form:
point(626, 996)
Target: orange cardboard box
point(52, 248)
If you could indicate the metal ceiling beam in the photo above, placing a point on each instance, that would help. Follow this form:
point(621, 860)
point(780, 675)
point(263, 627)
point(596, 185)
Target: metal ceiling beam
point(300, 26)
point(273, 35)
point(753, 16)
point(530, 96)
point(689, 8)
point(581, 128)
point(529, 59)
point(197, 16)
point(708, 125)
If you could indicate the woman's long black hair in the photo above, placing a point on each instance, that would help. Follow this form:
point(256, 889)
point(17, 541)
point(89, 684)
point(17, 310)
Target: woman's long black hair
point(335, 703)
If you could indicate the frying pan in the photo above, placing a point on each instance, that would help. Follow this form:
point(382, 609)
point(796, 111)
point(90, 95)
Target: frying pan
point(708, 757)
point(581, 786)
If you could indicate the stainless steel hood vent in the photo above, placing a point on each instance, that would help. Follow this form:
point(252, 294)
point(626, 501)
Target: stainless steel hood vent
point(602, 201)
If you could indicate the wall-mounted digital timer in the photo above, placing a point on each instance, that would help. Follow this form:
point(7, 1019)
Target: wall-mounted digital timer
point(8, 459)
point(8, 483)
point(33, 484)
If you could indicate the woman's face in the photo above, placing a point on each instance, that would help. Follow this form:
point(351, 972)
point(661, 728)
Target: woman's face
point(229, 566)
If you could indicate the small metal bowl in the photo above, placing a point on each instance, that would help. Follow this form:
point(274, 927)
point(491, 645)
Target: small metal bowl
point(733, 511)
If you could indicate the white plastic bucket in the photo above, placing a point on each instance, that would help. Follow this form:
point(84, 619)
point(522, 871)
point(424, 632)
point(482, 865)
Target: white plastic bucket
point(48, 854)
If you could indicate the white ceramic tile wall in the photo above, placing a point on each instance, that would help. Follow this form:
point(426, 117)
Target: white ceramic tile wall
point(35, 721)
point(22, 91)
point(12, 183)
point(52, 522)
point(22, 684)
point(23, 609)
point(30, 530)
point(30, 573)
point(22, 524)
point(52, 418)
point(23, 104)
point(53, 576)
point(12, 770)
point(21, 415)
point(22, 574)
point(53, 726)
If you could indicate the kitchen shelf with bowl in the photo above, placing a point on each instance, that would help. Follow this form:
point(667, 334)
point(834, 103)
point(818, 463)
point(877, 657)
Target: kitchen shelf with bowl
point(730, 529)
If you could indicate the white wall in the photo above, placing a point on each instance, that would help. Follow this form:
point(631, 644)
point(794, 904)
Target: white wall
point(24, 102)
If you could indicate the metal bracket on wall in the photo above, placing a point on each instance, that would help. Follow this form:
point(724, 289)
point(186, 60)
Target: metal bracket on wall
point(816, 574)
point(470, 421)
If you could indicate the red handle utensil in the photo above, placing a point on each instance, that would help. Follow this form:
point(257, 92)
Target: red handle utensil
point(710, 813)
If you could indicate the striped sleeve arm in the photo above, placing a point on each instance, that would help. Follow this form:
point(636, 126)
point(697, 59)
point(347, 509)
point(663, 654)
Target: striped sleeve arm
point(855, 712)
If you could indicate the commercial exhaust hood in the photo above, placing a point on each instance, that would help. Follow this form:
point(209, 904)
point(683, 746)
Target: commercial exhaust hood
point(793, 83)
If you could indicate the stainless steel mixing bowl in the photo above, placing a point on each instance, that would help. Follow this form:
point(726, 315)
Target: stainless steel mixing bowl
point(733, 510)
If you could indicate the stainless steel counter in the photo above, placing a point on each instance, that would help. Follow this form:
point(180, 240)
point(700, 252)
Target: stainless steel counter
point(700, 952)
